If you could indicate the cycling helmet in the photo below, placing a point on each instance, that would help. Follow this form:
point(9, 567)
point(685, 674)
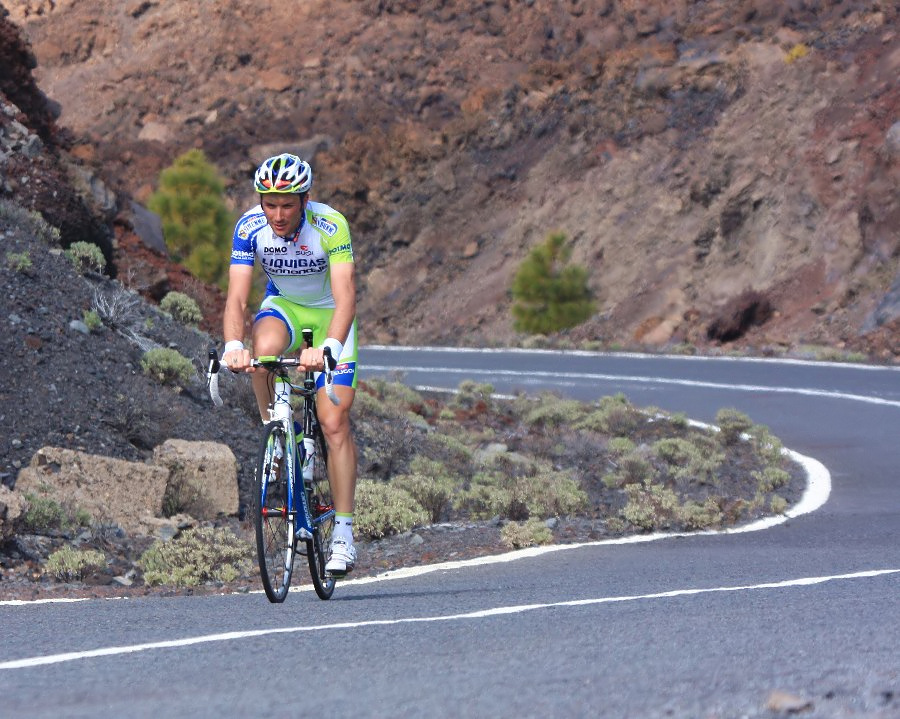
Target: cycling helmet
point(284, 174)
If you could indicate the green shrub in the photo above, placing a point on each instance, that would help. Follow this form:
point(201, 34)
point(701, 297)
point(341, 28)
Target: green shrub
point(19, 261)
point(732, 424)
point(455, 456)
point(86, 257)
point(382, 509)
point(548, 493)
point(92, 320)
point(485, 497)
point(619, 446)
point(651, 505)
point(553, 411)
point(528, 491)
point(696, 515)
point(43, 513)
point(82, 518)
point(68, 564)
point(197, 225)
point(613, 415)
point(168, 366)
point(630, 468)
point(778, 504)
point(548, 293)
point(533, 532)
point(385, 399)
point(767, 446)
point(182, 307)
point(472, 395)
point(673, 450)
point(429, 485)
point(695, 460)
point(771, 478)
point(195, 556)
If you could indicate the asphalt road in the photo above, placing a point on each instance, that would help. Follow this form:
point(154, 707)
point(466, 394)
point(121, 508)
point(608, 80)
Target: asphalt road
point(699, 626)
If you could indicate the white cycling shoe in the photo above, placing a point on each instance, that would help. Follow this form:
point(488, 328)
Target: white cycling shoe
point(343, 557)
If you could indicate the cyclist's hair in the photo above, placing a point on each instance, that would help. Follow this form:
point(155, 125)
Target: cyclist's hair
point(284, 174)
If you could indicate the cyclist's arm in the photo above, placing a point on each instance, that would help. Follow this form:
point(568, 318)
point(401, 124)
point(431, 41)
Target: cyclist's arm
point(240, 277)
point(343, 288)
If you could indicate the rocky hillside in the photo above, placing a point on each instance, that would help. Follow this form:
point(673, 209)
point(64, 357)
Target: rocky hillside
point(727, 170)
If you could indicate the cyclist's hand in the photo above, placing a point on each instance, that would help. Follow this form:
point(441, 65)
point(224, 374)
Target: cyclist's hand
point(313, 358)
point(237, 360)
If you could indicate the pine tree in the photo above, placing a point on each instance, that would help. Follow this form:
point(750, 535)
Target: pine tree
point(549, 294)
point(196, 222)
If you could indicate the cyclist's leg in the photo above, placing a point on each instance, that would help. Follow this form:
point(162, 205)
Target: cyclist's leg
point(335, 421)
point(272, 335)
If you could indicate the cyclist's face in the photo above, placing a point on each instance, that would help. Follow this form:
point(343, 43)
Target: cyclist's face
point(283, 212)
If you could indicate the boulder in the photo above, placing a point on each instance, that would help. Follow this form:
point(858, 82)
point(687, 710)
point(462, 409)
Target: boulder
point(11, 507)
point(202, 477)
point(107, 488)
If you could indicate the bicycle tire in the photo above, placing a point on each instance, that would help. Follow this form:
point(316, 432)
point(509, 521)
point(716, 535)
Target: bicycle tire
point(275, 541)
point(320, 503)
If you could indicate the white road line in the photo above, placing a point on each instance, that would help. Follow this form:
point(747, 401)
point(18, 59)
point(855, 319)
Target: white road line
point(479, 614)
point(633, 355)
point(545, 375)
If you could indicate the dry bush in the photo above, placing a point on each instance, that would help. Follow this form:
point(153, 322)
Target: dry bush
point(732, 424)
point(518, 535)
point(429, 485)
point(68, 564)
point(196, 556)
point(382, 510)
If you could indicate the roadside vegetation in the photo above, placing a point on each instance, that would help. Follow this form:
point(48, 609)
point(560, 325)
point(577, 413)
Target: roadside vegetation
point(473, 456)
point(532, 467)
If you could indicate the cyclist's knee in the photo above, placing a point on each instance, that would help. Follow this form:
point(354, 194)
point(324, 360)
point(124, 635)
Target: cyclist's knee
point(270, 337)
point(335, 427)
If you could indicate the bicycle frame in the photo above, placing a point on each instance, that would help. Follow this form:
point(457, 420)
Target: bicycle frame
point(300, 508)
point(304, 452)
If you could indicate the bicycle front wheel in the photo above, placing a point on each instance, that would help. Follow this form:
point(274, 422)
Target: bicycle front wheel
point(275, 542)
point(321, 507)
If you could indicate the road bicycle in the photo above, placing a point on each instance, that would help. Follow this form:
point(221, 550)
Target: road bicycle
point(292, 456)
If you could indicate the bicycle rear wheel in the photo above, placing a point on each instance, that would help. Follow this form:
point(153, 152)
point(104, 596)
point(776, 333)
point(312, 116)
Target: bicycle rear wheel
point(321, 507)
point(275, 542)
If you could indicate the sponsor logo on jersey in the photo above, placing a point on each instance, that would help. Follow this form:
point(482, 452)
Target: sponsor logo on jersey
point(275, 250)
point(250, 225)
point(340, 248)
point(295, 267)
point(329, 228)
point(242, 256)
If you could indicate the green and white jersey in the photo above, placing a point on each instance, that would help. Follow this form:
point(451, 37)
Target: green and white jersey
point(298, 267)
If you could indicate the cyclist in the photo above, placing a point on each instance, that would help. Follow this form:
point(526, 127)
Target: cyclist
point(305, 250)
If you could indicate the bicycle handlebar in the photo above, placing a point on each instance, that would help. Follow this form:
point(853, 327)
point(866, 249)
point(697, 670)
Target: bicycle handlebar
point(212, 373)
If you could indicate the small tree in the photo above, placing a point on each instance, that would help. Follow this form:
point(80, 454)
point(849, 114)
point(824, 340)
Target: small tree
point(549, 294)
point(196, 222)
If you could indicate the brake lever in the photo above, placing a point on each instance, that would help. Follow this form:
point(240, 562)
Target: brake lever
point(330, 364)
point(212, 377)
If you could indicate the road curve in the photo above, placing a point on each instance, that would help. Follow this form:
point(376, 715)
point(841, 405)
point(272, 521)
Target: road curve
point(698, 626)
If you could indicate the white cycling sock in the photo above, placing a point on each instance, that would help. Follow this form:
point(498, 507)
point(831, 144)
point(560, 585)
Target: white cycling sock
point(343, 527)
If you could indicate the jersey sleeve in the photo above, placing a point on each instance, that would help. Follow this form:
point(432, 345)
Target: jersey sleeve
point(243, 245)
point(336, 232)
